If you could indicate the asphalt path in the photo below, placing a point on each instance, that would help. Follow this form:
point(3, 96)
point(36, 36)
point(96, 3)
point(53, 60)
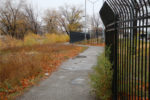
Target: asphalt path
point(70, 82)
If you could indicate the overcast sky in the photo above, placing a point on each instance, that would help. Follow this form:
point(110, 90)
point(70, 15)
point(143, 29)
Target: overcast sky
point(42, 5)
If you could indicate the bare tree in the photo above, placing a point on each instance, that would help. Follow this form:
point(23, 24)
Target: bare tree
point(96, 26)
point(17, 19)
point(32, 19)
point(96, 22)
point(51, 21)
point(11, 18)
point(70, 18)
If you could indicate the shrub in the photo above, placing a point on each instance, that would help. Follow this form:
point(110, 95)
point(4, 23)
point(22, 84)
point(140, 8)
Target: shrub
point(31, 39)
point(101, 78)
point(56, 38)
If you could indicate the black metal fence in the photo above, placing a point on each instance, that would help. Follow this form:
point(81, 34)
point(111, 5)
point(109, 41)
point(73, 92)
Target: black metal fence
point(127, 25)
point(91, 36)
point(78, 36)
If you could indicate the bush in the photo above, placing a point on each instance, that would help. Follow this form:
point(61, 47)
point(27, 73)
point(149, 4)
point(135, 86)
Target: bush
point(32, 39)
point(101, 78)
point(55, 38)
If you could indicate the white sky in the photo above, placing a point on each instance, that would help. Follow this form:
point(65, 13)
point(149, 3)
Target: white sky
point(42, 5)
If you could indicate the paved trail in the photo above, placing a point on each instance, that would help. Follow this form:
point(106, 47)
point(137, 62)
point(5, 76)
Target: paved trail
point(70, 82)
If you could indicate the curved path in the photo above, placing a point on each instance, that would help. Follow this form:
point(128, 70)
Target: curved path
point(70, 82)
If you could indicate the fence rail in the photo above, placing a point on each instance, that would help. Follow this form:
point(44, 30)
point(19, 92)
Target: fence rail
point(127, 25)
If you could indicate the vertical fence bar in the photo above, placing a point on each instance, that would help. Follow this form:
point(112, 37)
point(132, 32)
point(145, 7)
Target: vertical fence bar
point(139, 51)
point(141, 86)
point(146, 10)
point(135, 33)
point(134, 48)
point(127, 17)
point(123, 11)
point(149, 56)
point(116, 67)
point(128, 22)
point(122, 2)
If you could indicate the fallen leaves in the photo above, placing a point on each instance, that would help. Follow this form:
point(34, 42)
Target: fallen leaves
point(28, 69)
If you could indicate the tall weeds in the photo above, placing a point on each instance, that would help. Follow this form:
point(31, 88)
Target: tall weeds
point(101, 78)
point(16, 67)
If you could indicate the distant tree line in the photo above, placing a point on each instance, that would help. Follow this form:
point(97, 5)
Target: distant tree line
point(17, 18)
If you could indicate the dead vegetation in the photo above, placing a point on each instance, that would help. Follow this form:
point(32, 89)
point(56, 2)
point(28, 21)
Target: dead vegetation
point(21, 66)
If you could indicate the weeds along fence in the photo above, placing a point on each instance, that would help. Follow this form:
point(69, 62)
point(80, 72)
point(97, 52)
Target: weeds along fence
point(127, 31)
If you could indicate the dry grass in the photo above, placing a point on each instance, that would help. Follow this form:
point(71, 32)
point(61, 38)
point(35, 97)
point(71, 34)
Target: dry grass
point(33, 39)
point(22, 62)
point(21, 66)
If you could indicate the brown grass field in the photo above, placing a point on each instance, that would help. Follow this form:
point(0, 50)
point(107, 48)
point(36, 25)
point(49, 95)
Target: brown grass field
point(23, 66)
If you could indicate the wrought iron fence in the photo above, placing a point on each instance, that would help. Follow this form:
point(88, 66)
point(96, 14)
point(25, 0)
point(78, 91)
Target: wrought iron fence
point(127, 25)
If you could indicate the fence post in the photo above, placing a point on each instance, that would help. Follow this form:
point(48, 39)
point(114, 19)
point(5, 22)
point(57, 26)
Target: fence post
point(110, 21)
point(111, 37)
point(115, 92)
